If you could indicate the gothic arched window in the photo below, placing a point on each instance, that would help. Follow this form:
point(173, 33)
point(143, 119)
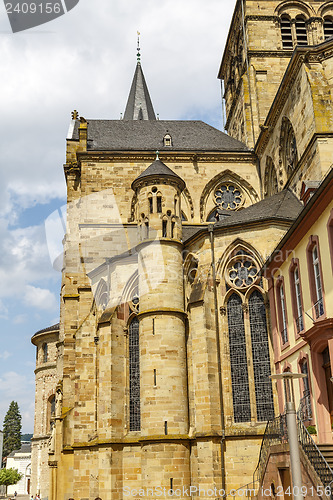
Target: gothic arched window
point(134, 376)
point(238, 360)
point(301, 32)
point(260, 356)
point(271, 181)
point(286, 34)
point(288, 146)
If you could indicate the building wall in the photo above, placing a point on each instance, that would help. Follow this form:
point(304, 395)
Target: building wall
point(303, 345)
point(21, 462)
point(46, 380)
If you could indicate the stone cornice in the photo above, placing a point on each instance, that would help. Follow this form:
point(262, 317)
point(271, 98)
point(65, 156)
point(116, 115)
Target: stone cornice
point(47, 366)
point(313, 54)
point(162, 310)
point(200, 156)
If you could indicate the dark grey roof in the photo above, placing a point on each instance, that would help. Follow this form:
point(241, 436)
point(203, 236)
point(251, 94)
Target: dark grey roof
point(25, 448)
point(139, 105)
point(160, 169)
point(49, 329)
point(148, 135)
point(281, 206)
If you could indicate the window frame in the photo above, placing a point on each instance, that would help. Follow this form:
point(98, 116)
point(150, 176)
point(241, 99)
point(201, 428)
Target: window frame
point(282, 313)
point(296, 298)
point(313, 284)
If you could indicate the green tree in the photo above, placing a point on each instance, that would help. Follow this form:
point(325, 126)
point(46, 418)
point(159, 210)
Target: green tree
point(9, 476)
point(12, 429)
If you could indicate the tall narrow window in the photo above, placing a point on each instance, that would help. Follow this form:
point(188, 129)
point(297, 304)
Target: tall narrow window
point(301, 33)
point(319, 304)
point(298, 303)
point(282, 314)
point(261, 359)
point(134, 376)
point(159, 204)
point(164, 229)
point(150, 200)
point(287, 39)
point(238, 360)
point(305, 408)
point(45, 353)
point(328, 28)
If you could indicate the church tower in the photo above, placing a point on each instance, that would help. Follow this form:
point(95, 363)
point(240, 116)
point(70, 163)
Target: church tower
point(262, 37)
point(163, 387)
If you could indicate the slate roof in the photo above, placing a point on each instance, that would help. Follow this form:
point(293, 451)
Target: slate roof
point(49, 329)
point(139, 105)
point(146, 135)
point(281, 206)
point(160, 169)
point(25, 448)
point(52, 328)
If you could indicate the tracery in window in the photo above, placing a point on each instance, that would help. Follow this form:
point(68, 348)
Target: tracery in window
point(134, 300)
point(134, 376)
point(228, 197)
point(328, 27)
point(238, 360)
point(261, 358)
point(242, 271)
point(288, 146)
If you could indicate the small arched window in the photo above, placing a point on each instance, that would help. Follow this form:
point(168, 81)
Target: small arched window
point(328, 27)
point(287, 39)
point(301, 32)
point(45, 353)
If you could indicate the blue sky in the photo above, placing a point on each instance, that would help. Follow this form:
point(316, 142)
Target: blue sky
point(84, 60)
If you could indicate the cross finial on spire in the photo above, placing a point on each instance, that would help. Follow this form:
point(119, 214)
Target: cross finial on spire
point(138, 55)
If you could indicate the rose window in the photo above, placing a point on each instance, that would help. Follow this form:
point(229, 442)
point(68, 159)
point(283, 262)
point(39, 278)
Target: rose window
point(134, 303)
point(242, 272)
point(228, 197)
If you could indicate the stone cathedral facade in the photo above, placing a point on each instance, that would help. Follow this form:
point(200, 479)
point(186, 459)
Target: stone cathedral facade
point(157, 375)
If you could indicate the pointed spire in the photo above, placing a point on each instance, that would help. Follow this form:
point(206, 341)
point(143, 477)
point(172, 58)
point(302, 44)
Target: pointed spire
point(139, 105)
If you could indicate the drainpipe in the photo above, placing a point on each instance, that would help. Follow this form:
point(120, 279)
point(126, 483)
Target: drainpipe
point(218, 349)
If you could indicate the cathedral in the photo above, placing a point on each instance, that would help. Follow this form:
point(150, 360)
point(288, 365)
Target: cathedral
point(156, 381)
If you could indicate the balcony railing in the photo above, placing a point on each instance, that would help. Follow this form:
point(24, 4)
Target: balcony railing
point(319, 308)
point(304, 412)
point(299, 324)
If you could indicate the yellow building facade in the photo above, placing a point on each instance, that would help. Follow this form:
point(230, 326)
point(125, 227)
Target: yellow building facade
point(165, 342)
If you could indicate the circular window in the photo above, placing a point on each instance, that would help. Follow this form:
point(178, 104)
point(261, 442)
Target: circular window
point(228, 197)
point(134, 303)
point(242, 272)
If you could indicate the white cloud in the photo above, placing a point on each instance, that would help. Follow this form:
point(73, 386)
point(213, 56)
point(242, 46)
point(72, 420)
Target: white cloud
point(5, 355)
point(40, 298)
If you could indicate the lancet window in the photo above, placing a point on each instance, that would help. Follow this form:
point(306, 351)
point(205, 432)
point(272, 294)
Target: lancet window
point(260, 356)
point(134, 376)
point(238, 360)
point(248, 340)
